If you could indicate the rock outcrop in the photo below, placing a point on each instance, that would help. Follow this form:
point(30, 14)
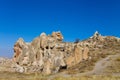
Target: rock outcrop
point(6, 64)
point(48, 54)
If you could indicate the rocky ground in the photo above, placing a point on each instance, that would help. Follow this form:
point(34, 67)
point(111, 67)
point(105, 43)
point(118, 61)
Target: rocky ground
point(95, 58)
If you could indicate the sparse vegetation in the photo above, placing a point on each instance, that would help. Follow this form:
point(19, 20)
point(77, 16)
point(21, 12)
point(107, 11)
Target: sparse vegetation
point(114, 66)
point(118, 59)
point(89, 78)
point(18, 76)
point(110, 48)
point(77, 40)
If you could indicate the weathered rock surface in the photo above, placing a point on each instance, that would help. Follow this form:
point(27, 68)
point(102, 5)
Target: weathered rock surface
point(6, 64)
point(48, 54)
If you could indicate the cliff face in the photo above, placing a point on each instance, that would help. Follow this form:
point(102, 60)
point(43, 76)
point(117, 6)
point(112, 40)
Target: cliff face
point(48, 54)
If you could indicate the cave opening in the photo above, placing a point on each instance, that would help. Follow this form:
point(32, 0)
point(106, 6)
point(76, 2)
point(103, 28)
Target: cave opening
point(62, 68)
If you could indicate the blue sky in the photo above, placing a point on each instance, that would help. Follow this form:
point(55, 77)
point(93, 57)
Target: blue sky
point(74, 18)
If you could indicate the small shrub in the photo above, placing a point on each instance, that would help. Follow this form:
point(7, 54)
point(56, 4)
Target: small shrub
point(77, 41)
point(118, 59)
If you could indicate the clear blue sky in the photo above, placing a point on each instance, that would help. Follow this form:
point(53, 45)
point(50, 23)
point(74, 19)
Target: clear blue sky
point(74, 18)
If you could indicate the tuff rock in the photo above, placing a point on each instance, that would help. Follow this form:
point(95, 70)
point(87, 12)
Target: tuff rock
point(48, 54)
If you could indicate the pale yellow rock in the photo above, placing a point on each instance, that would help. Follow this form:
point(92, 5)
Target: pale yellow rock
point(78, 54)
point(85, 53)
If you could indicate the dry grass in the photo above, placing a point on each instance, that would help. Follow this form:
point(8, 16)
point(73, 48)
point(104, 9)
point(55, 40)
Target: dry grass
point(114, 66)
point(89, 78)
point(36, 76)
point(19, 76)
point(118, 59)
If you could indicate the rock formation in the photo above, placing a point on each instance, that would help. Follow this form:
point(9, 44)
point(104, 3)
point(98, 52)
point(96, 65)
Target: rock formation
point(6, 64)
point(48, 54)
